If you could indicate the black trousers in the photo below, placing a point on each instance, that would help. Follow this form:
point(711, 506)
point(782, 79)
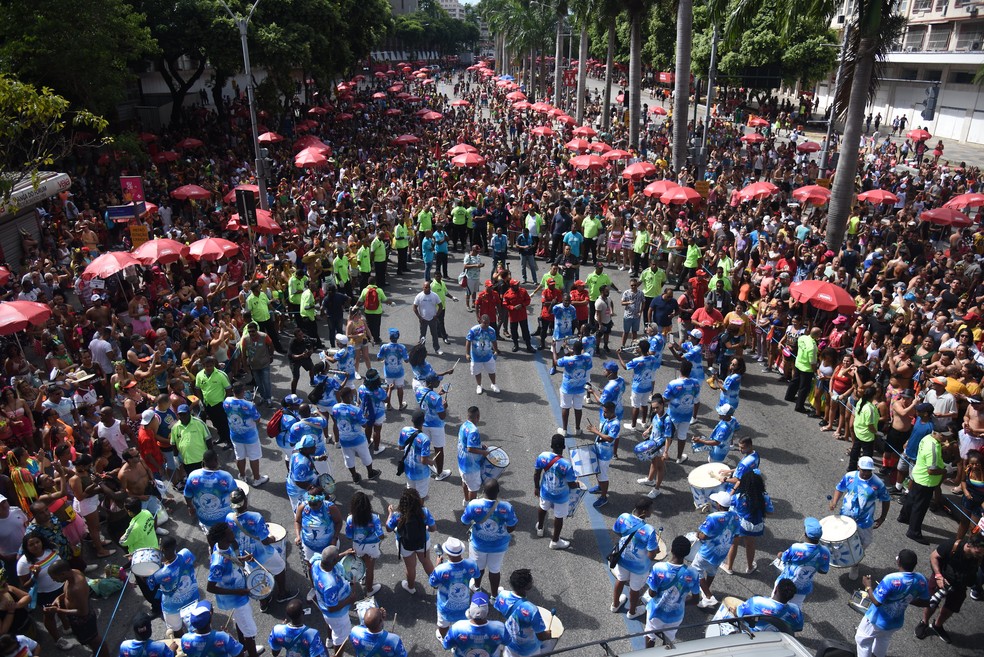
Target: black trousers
point(401, 260)
point(431, 324)
point(915, 506)
point(590, 250)
point(858, 449)
point(441, 263)
point(310, 327)
point(374, 321)
point(524, 326)
point(217, 416)
point(380, 273)
point(799, 388)
point(270, 329)
point(459, 235)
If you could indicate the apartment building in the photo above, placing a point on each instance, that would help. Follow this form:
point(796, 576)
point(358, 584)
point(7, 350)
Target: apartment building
point(943, 45)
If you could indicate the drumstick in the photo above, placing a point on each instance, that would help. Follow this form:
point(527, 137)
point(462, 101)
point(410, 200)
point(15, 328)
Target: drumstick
point(553, 615)
point(341, 648)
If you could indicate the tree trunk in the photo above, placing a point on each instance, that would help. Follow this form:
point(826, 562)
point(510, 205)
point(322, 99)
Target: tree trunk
point(558, 58)
point(178, 86)
point(681, 89)
point(219, 79)
point(532, 73)
point(543, 71)
point(635, 77)
point(582, 72)
point(843, 190)
point(606, 119)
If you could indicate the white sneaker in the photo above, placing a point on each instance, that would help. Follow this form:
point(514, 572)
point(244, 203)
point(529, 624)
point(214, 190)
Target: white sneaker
point(629, 426)
point(406, 587)
point(380, 449)
point(540, 531)
point(440, 352)
point(358, 377)
point(161, 531)
point(560, 545)
point(444, 475)
point(66, 643)
point(262, 480)
point(682, 459)
point(495, 388)
point(478, 390)
point(640, 610)
point(708, 602)
point(654, 493)
point(621, 601)
point(562, 431)
point(645, 482)
point(311, 595)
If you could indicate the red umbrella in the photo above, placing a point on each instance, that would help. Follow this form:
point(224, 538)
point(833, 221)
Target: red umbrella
point(108, 264)
point(310, 157)
point(758, 190)
point(186, 192)
point(638, 170)
point(659, 187)
point(585, 131)
point(18, 315)
point(393, 112)
point(318, 111)
point(310, 141)
point(522, 105)
point(758, 122)
point(542, 107)
point(4, 275)
point(823, 295)
point(461, 149)
point(589, 162)
point(405, 140)
point(918, 135)
point(515, 96)
point(460, 103)
point(566, 120)
point(468, 160)
point(753, 138)
point(812, 194)
point(160, 251)
point(878, 197)
point(396, 88)
point(147, 137)
point(680, 195)
point(431, 116)
point(265, 225)
point(808, 147)
point(543, 131)
point(600, 147)
point(231, 196)
point(164, 156)
point(189, 142)
point(616, 154)
point(657, 110)
point(343, 116)
point(946, 217)
point(270, 138)
point(578, 145)
point(212, 248)
point(379, 95)
point(961, 201)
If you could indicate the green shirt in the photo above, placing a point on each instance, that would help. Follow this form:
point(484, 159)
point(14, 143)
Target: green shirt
point(141, 533)
point(459, 215)
point(590, 227)
point(295, 286)
point(865, 419)
point(558, 279)
point(727, 264)
point(308, 304)
point(382, 299)
point(440, 288)
point(259, 307)
point(712, 284)
point(340, 265)
point(190, 440)
point(365, 259)
point(425, 220)
point(400, 236)
point(641, 241)
point(594, 282)
point(930, 455)
point(652, 281)
point(213, 387)
point(806, 353)
point(378, 248)
point(693, 256)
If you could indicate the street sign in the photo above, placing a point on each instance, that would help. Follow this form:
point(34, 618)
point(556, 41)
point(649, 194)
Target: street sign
point(139, 235)
point(824, 182)
point(132, 188)
point(124, 213)
point(703, 188)
point(246, 203)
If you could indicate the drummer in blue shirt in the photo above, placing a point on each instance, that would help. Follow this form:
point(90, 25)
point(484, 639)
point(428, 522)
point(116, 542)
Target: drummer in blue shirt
point(524, 622)
point(606, 444)
point(777, 606)
point(492, 523)
point(802, 561)
point(553, 479)
point(860, 491)
point(227, 582)
point(889, 600)
point(749, 461)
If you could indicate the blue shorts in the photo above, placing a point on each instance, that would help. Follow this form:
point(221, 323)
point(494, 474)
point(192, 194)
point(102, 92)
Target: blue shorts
point(630, 325)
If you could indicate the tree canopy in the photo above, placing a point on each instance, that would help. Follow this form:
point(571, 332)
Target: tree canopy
point(432, 28)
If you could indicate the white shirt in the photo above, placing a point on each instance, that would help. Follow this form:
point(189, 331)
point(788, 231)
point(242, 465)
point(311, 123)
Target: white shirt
point(427, 305)
point(114, 435)
point(100, 350)
point(12, 530)
point(944, 404)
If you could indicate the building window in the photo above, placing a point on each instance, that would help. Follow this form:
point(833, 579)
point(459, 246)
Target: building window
point(941, 6)
point(909, 74)
point(971, 36)
point(961, 77)
point(939, 38)
point(914, 38)
point(933, 75)
point(922, 5)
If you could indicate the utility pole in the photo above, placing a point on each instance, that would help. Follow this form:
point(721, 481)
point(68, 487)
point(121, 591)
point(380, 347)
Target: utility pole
point(712, 71)
point(825, 153)
point(261, 172)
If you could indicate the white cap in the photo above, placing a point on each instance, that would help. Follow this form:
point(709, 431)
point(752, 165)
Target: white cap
point(697, 334)
point(724, 409)
point(147, 416)
point(721, 498)
point(341, 339)
point(453, 547)
point(866, 463)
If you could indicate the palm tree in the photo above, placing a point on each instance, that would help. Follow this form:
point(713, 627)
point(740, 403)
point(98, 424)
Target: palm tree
point(637, 10)
point(561, 10)
point(584, 11)
point(524, 28)
point(681, 83)
point(610, 9)
point(874, 28)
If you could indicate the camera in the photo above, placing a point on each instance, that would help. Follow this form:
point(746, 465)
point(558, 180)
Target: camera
point(937, 597)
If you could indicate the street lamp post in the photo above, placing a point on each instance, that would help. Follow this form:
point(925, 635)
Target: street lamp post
point(711, 72)
point(261, 173)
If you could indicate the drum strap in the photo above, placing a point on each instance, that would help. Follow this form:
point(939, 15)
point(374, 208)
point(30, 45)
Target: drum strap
point(379, 645)
point(410, 441)
point(487, 515)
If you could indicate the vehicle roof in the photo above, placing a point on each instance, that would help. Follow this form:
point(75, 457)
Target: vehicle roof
point(762, 644)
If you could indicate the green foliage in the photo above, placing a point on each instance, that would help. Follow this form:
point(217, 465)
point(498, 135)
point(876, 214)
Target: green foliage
point(80, 48)
point(35, 131)
point(432, 28)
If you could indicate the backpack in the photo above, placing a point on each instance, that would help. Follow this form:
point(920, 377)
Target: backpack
point(413, 537)
point(273, 426)
point(372, 298)
point(318, 392)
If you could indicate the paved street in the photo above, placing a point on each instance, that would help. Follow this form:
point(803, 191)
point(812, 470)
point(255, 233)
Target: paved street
point(800, 464)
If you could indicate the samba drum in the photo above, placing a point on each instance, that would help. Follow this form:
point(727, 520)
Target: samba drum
point(554, 627)
point(185, 613)
point(327, 484)
point(694, 546)
point(279, 534)
point(660, 555)
point(584, 460)
point(859, 601)
point(723, 612)
point(841, 537)
point(145, 562)
point(364, 605)
point(259, 581)
point(353, 567)
point(705, 480)
point(494, 463)
point(647, 450)
point(243, 486)
point(577, 494)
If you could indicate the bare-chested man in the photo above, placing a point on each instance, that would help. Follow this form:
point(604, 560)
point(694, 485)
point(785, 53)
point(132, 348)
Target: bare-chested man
point(73, 606)
point(100, 314)
point(136, 478)
point(971, 433)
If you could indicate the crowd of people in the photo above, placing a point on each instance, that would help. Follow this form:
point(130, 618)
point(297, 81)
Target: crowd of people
point(124, 402)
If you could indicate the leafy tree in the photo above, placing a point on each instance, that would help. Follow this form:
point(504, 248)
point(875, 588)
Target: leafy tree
point(80, 48)
point(36, 128)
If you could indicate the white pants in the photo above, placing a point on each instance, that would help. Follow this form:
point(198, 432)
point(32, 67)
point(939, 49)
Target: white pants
point(655, 625)
point(361, 451)
point(243, 617)
point(340, 627)
point(871, 641)
point(437, 436)
point(486, 560)
point(422, 486)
